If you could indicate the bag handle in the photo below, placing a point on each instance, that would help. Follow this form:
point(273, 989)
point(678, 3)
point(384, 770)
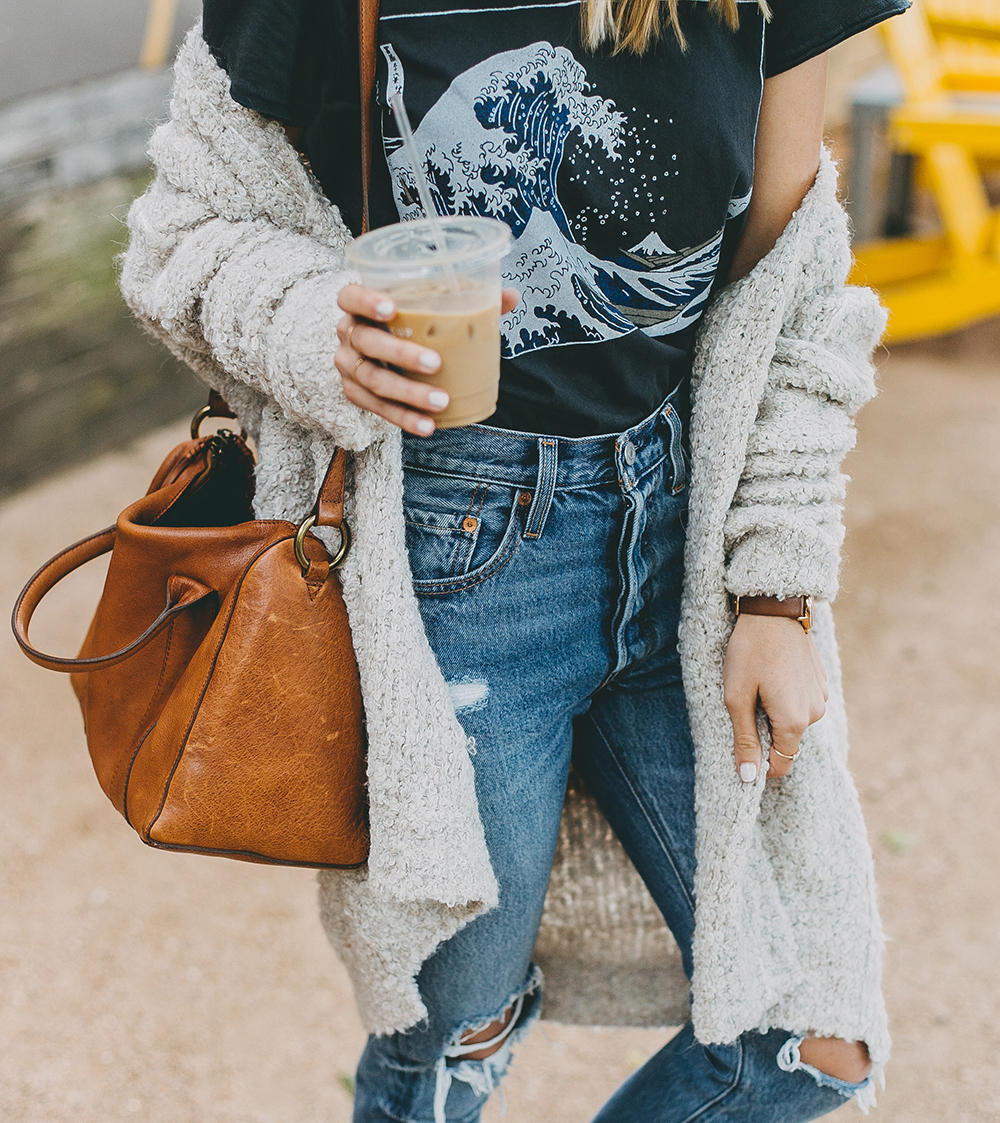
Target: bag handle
point(367, 42)
point(182, 593)
point(328, 511)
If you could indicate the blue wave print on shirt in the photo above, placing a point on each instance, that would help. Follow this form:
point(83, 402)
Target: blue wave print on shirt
point(493, 145)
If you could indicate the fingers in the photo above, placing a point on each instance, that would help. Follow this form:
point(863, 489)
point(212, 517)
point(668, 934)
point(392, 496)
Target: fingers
point(789, 716)
point(379, 344)
point(742, 706)
point(784, 739)
point(408, 420)
point(368, 349)
point(509, 300)
point(390, 395)
point(386, 384)
point(367, 303)
point(774, 662)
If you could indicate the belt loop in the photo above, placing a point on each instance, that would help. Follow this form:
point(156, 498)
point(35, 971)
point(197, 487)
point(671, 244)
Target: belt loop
point(548, 465)
point(677, 460)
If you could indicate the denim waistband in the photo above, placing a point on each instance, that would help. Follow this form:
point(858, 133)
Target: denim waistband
point(528, 459)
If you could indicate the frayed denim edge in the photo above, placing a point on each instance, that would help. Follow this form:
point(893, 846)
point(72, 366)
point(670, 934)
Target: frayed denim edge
point(790, 1060)
point(484, 1076)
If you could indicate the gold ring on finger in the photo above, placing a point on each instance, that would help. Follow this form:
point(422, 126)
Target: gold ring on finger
point(350, 334)
point(785, 756)
point(354, 372)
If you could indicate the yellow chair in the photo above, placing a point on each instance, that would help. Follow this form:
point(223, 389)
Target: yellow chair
point(976, 19)
point(968, 35)
point(942, 282)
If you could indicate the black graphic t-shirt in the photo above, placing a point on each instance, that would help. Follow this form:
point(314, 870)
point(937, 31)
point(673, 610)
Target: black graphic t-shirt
point(625, 181)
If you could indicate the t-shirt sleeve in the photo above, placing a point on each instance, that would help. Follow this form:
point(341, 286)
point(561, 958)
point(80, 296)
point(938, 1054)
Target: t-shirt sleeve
point(271, 50)
point(801, 29)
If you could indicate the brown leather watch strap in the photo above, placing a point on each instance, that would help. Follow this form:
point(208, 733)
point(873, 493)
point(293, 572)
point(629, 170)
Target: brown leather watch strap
point(797, 608)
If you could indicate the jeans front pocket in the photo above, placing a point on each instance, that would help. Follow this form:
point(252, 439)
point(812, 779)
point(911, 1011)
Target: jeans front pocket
point(458, 531)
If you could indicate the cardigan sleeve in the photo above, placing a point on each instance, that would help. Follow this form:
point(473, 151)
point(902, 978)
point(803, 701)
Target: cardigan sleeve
point(235, 260)
point(784, 529)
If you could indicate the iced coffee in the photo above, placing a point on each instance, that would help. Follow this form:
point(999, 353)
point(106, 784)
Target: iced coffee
point(448, 299)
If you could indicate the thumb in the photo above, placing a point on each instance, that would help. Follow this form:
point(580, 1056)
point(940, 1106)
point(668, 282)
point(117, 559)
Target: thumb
point(746, 742)
point(509, 301)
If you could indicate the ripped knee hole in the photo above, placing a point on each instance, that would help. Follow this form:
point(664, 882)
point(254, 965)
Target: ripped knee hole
point(486, 1034)
point(844, 1060)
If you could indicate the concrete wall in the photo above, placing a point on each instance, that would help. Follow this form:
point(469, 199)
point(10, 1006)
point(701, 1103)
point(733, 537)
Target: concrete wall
point(78, 376)
point(50, 43)
point(78, 134)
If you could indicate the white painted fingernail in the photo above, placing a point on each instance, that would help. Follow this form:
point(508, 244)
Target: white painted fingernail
point(748, 772)
point(384, 309)
point(429, 360)
point(438, 398)
point(425, 426)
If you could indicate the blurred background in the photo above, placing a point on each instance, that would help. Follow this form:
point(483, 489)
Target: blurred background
point(81, 84)
point(147, 986)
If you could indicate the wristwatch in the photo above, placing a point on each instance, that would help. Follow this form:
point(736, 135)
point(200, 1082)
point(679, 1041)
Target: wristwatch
point(796, 608)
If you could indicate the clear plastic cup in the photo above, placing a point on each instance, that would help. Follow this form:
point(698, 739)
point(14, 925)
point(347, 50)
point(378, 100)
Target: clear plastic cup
point(446, 299)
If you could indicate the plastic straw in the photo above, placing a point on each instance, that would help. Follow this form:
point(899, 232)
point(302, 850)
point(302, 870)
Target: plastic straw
point(423, 188)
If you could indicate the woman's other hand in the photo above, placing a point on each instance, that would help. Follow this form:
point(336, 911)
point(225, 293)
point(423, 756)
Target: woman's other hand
point(774, 660)
point(367, 350)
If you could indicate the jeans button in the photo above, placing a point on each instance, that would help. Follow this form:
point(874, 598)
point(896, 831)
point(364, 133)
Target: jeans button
point(629, 451)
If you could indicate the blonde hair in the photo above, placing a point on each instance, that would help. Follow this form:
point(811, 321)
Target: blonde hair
point(633, 25)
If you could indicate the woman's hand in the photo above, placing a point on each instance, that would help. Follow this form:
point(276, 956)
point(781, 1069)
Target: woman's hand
point(773, 659)
point(367, 351)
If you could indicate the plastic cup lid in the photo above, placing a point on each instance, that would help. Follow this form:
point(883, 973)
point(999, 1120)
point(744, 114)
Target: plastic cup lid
point(410, 249)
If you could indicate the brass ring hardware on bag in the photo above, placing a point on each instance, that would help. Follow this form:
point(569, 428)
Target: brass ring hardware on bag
point(300, 551)
point(216, 408)
point(199, 417)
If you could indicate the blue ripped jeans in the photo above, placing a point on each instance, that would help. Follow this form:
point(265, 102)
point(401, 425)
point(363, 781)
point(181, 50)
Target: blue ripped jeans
point(548, 572)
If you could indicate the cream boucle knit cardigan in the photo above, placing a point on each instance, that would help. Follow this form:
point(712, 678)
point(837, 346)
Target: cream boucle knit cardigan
point(235, 261)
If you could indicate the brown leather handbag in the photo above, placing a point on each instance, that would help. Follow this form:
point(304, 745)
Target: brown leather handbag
point(218, 681)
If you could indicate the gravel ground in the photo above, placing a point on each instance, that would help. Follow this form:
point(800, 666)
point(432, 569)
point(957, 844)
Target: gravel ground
point(139, 985)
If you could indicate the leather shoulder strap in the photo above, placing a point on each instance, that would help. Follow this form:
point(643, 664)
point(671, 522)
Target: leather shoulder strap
point(367, 42)
point(329, 509)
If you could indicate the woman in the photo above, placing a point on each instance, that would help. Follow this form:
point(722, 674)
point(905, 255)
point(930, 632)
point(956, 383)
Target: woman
point(639, 169)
